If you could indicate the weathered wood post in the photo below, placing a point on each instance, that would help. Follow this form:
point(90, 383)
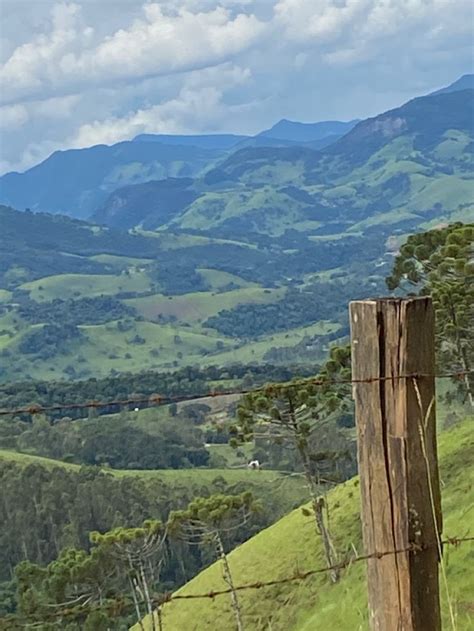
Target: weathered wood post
point(401, 508)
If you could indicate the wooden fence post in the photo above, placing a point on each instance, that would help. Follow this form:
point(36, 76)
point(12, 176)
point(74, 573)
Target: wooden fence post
point(401, 508)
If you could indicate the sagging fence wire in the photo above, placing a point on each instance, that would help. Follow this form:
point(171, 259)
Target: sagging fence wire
point(155, 400)
point(120, 606)
point(116, 607)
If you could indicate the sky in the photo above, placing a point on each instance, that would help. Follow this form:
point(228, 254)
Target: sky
point(76, 74)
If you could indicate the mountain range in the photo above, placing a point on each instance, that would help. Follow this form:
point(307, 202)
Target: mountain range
point(208, 250)
point(283, 171)
point(411, 162)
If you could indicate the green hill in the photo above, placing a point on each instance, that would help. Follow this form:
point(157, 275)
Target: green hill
point(48, 504)
point(255, 260)
point(78, 300)
point(395, 170)
point(292, 487)
point(75, 182)
point(389, 173)
point(291, 545)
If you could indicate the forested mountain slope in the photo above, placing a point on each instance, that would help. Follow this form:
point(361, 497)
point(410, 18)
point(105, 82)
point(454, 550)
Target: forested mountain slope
point(408, 165)
point(252, 261)
point(75, 182)
point(291, 545)
point(48, 505)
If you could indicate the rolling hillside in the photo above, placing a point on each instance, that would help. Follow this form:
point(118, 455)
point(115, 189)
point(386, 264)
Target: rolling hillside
point(75, 182)
point(253, 260)
point(393, 172)
point(291, 488)
point(291, 545)
point(78, 300)
point(389, 173)
point(150, 494)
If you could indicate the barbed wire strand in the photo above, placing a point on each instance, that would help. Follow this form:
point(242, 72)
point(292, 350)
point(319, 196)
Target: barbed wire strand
point(157, 399)
point(164, 599)
point(423, 421)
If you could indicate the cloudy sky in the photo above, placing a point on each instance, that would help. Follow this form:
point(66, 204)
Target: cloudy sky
point(74, 74)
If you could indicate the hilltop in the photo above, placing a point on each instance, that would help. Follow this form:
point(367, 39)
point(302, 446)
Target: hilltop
point(291, 545)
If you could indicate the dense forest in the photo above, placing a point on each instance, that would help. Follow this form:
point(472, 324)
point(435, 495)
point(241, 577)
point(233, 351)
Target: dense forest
point(190, 381)
point(299, 307)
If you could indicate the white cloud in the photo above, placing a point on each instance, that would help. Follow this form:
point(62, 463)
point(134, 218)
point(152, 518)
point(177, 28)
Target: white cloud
point(351, 31)
point(92, 71)
point(13, 116)
point(33, 65)
point(198, 106)
point(55, 108)
point(159, 43)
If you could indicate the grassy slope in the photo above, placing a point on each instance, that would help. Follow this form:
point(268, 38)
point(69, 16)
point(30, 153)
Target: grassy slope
point(71, 285)
point(290, 489)
point(201, 305)
point(105, 348)
point(291, 545)
point(255, 351)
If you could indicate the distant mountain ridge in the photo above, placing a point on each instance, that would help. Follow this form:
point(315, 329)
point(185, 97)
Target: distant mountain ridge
point(466, 82)
point(415, 160)
point(203, 141)
point(307, 132)
point(79, 182)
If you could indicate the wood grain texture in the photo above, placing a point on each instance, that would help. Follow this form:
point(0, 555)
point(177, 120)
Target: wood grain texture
point(397, 459)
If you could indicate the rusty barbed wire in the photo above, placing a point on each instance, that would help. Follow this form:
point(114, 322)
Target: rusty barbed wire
point(119, 606)
point(158, 400)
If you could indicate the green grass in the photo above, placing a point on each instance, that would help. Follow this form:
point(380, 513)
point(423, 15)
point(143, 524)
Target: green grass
point(199, 306)
point(255, 351)
point(11, 329)
point(291, 545)
point(73, 285)
point(5, 295)
point(454, 145)
point(120, 262)
point(290, 488)
point(217, 279)
point(218, 207)
point(105, 348)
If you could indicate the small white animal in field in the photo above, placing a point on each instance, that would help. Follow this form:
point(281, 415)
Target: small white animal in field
point(136, 410)
point(253, 464)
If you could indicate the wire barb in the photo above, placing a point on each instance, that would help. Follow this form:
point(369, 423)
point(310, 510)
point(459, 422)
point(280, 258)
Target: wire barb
point(157, 400)
point(121, 606)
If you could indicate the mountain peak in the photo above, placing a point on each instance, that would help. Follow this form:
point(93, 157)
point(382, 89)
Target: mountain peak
point(295, 131)
point(465, 82)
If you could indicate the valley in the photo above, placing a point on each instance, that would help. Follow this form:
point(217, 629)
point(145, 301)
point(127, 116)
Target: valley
point(176, 377)
point(208, 270)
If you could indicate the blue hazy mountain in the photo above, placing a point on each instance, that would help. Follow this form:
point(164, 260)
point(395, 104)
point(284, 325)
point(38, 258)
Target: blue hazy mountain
point(78, 182)
point(466, 82)
point(204, 141)
point(306, 132)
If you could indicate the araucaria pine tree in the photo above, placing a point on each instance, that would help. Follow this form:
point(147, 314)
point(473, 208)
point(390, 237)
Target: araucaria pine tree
point(206, 522)
point(138, 553)
point(440, 263)
point(294, 413)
